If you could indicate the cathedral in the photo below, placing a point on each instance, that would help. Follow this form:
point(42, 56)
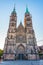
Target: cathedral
point(20, 42)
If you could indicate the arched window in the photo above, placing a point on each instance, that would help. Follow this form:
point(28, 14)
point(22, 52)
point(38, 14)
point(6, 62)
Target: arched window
point(9, 50)
point(31, 51)
point(12, 24)
point(11, 36)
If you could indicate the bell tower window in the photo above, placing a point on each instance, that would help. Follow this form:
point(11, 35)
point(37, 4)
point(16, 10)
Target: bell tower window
point(12, 24)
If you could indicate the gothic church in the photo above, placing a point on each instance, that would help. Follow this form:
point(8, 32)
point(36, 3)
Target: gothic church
point(20, 43)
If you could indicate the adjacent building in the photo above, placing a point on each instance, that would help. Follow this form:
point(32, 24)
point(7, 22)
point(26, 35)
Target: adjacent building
point(41, 52)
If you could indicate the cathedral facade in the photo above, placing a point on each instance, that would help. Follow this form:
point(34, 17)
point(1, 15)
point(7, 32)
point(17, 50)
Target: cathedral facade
point(20, 42)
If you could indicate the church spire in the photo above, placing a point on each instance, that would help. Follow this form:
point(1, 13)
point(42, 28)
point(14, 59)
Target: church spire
point(20, 22)
point(14, 11)
point(27, 11)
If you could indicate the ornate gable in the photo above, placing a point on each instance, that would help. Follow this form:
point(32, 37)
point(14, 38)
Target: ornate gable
point(20, 34)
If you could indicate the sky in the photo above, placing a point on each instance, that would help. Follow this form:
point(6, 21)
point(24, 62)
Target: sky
point(35, 8)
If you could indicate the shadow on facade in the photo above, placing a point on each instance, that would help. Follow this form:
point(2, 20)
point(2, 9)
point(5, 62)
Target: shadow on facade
point(21, 57)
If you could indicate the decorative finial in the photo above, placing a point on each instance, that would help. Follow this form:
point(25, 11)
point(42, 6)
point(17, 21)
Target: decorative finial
point(20, 22)
point(14, 7)
point(27, 9)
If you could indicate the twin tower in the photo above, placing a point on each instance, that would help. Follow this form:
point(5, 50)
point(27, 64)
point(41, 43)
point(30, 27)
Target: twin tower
point(20, 43)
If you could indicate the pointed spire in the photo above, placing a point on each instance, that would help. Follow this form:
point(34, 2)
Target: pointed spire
point(27, 9)
point(14, 11)
point(20, 23)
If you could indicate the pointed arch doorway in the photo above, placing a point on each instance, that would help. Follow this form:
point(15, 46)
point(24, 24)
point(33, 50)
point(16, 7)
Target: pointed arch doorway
point(20, 52)
point(21, 57)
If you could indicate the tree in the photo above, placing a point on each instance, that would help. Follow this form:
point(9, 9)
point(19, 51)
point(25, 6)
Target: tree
point(1, 53)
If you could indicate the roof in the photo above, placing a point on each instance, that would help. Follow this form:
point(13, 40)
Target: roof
point(27, 11)
point(20, 25)
point(14, 11)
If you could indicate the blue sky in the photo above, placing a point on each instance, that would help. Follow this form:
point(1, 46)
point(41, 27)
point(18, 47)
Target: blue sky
point(35, 8)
